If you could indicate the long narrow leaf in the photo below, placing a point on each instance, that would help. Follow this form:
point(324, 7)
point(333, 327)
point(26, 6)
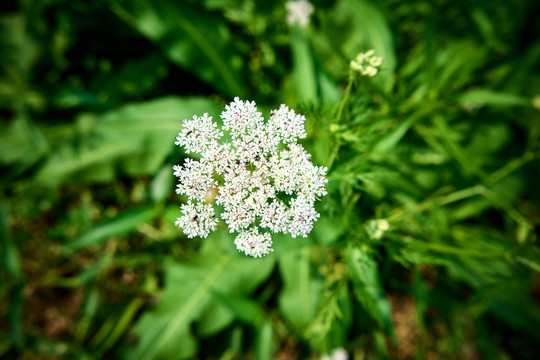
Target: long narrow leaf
point(119, 225)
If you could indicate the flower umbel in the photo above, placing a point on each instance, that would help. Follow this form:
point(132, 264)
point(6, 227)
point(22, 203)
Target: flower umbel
point(263, 180)
point(299, 12)
point(376, 228)
point(367, 63)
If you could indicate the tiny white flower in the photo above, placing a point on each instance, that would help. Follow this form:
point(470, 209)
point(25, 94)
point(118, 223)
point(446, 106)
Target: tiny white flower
point(286, 124)
point(377, 227)
point(198, 135)
point(198, 220)
point(254, 244)
point(367, 64)
point(303, 216)
point(299, 12)
point(262, 178)
point(195, 179)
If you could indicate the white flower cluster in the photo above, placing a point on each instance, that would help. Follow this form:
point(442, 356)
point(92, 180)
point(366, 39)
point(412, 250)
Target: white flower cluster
point(260, 175)
point(299, 12)
point(377, 227)
point(367, 63)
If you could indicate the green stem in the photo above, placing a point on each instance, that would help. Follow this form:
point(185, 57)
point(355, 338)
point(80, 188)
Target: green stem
point(344, 101)
point(440, 200)
point(506, 206)
point(455, 150)
point(509, 168)
point(447, 249)
point(460, 195)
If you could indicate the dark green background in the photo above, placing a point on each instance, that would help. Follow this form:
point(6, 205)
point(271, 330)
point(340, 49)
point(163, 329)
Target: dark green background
point(442, 143)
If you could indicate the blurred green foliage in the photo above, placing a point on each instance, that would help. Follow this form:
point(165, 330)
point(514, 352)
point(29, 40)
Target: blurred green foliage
point(442, 145)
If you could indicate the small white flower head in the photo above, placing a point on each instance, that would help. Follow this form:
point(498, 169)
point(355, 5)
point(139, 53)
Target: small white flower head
point(253, 243)
point(198, 220)
point(195, 179)
point(287, 125)
point(299, 12)
point(198, 135)
point(367, 64)
point(258, 174)
point(337, 354)
point(376, 228)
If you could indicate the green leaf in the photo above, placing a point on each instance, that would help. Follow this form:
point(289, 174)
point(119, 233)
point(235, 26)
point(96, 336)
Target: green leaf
point(304, 72)
point(533, 264)
point(487, 28)
point(135, 138)
point(198, 41)
point(89, 308)
point(91, 272)
point(9, 258)
point(18, 140)
point(301, 291)
point(70, 159)
point(456, 65)
point(389, 141)
point(487, 97)
point(214, 318)
point(120, 225)
point(165, 332)
point(243, 308)
point(152, 125)
point(365, 276)
point(264, 349)
point(23, 146)
point(454, 148)
point(121, 326)
point(162, 184)
point(328, 229)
